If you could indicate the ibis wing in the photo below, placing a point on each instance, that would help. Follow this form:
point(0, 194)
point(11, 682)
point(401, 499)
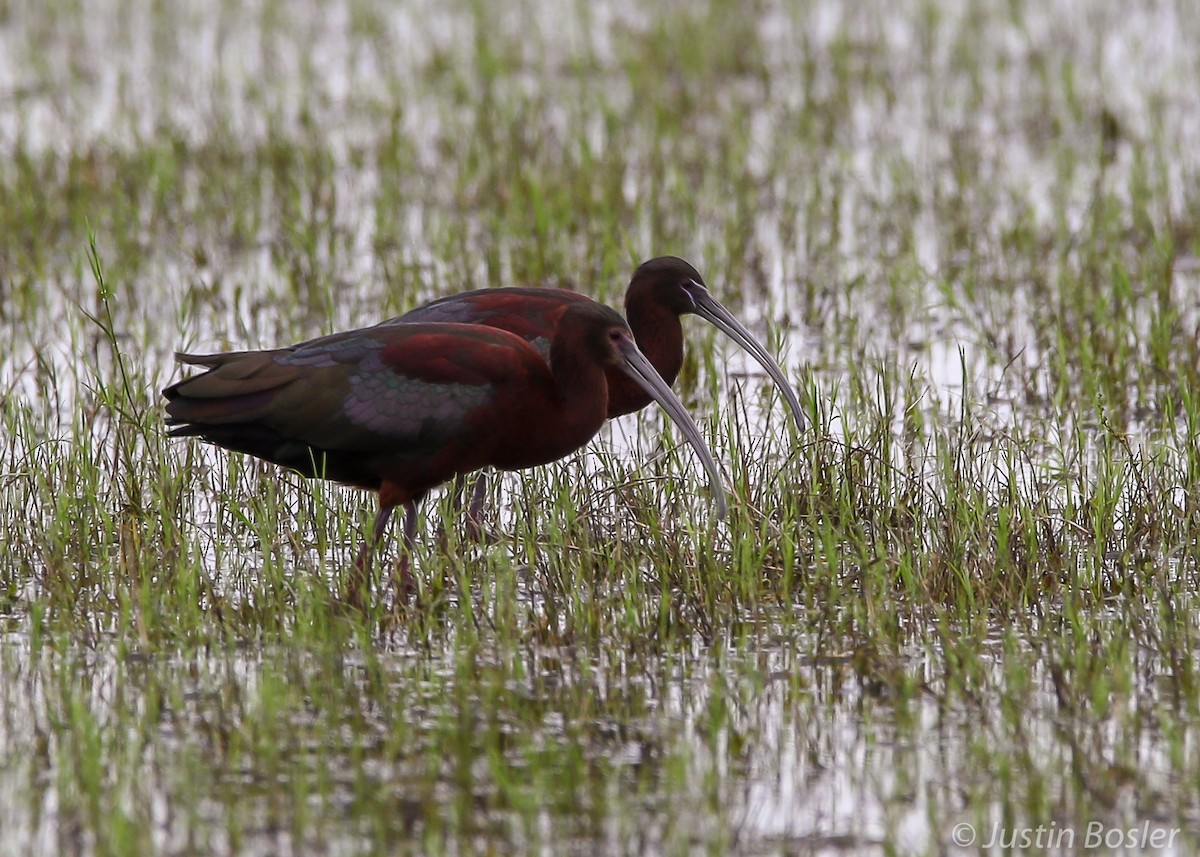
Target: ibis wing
point(405, 388)
point(531, 314)
point(236, 373)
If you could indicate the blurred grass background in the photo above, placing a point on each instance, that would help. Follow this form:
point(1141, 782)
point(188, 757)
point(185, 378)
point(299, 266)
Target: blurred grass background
point(967, 595)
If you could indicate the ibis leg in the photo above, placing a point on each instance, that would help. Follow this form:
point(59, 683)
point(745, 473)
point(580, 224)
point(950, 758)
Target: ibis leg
point(404, 582)
point(474, 529)
point(360, 578)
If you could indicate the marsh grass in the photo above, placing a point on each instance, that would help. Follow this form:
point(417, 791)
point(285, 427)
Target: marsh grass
point(965, 594)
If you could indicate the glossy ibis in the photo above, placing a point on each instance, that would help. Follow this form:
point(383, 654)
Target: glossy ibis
point(661, 290)
point(401, 408)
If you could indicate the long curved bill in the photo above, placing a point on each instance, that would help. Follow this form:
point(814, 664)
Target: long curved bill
point(637, 367)
point(711, 310)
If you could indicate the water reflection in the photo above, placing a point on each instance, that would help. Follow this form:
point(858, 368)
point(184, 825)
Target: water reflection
point(900, 247)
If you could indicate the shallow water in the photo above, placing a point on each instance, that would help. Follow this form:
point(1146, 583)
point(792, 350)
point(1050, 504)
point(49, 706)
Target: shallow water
point(748, 746)
point(805, 755)
point(897, 200)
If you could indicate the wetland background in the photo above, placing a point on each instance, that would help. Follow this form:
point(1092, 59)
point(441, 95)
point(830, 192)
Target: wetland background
point(966, 595)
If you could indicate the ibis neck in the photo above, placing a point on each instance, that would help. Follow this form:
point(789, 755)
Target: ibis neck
point(567, 407)
point(582, 395)
point(659, 336)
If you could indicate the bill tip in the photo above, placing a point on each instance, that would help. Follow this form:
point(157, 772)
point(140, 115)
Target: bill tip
point(722, 508)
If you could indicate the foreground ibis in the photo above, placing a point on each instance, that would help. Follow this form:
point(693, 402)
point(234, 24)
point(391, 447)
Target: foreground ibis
point(661, 290)
point(402, 408)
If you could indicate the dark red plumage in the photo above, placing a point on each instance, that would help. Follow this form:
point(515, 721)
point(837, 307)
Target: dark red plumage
point(401, 408)
point(660, 292)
